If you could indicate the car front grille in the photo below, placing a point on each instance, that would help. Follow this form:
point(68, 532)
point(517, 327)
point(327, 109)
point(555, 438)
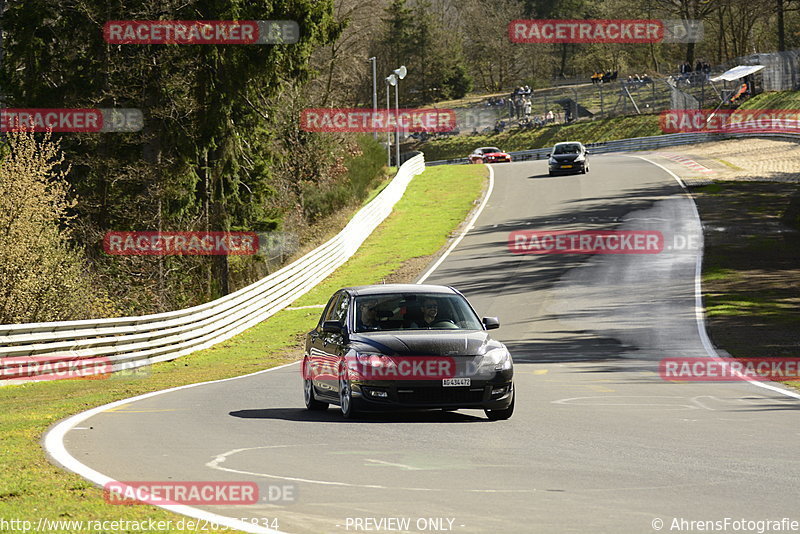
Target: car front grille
point(439, 395)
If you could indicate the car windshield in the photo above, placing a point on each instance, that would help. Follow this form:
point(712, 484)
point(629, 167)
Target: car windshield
point(414, 311)
point(490, 149)
point(567, 149)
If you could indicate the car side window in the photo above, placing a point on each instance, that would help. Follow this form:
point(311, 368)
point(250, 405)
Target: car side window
point(327, 315)
point(339, 311)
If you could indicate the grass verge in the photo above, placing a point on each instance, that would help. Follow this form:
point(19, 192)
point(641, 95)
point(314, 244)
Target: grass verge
point(435, 203)
point(751, 267)
point(773, 100)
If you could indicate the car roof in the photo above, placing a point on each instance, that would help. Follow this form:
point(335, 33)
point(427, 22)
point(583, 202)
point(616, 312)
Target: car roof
point(485, 147)
point(569, 143)
point(382, 289)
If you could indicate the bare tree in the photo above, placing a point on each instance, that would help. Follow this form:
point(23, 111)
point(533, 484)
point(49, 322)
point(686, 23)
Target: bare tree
point(345, 75)
point(689, 10)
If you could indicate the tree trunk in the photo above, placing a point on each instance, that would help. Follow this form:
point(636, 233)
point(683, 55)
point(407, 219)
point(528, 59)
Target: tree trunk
point(563, 65)
point(781, 27)
point(219, 263)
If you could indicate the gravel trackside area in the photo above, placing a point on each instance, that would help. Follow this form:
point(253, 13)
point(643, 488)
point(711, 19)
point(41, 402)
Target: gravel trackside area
point(762, 160)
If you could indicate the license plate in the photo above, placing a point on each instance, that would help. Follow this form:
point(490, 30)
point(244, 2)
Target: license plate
point(566, 166)
point(456, 382)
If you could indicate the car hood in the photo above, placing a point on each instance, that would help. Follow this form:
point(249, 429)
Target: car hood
point(565, 157)
point(425, 342)
point(495, 154)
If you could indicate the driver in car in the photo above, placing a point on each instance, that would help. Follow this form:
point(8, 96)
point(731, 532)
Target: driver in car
point(430, 309)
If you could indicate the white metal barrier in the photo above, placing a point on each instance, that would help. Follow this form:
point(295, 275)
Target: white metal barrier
point(129, 342)
point(621, 145)
point(647, 143)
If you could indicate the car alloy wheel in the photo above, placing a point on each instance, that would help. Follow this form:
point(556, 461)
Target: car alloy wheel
point(345, 395)
point(308, 395)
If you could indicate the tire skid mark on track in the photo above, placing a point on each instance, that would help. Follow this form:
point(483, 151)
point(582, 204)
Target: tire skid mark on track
point(699, 308)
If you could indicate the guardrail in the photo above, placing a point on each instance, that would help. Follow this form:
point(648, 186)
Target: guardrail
point(622, 145)
point(651, 142)
point(127, 342)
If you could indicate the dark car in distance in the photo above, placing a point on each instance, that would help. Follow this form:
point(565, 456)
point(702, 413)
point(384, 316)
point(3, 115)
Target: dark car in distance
point(568, 158)
point(406, 346)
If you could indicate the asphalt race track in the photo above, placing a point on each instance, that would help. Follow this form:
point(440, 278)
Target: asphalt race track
point(599, 443)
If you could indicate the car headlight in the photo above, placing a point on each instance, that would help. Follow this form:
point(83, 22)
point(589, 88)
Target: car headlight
point(579, 159)
point(370, 359)
point(552, 161)
point(498, 359)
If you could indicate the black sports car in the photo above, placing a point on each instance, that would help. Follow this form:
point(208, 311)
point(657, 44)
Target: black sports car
point(404, 346)
point(568, 158)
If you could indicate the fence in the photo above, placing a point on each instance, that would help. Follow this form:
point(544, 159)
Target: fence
point(129, 342)
point(588, 100)
point(631, 97)
point(781, 69)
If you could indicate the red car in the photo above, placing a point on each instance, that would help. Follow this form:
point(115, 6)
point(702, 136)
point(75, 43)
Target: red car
point(489, 154)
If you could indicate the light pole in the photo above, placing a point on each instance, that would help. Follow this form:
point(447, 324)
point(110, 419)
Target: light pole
point(399, 74)
point(373, 60)
point(390, 80)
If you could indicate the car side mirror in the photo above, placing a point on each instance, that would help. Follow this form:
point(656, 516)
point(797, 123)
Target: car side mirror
point(586, 152)
point(491, 323)
point(332, 327)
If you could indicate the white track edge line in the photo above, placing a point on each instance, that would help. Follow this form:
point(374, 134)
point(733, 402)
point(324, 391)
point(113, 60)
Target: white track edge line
point(54, 439)
point(54, 445)
point(698, 294)
point(469, 226)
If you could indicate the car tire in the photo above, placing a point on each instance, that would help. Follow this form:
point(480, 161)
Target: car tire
point(502, 415)
point(346, 396)
point(550, 173)
point(310, 399)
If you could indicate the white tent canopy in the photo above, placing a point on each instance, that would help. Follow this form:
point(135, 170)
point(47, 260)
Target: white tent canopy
point(737, 72)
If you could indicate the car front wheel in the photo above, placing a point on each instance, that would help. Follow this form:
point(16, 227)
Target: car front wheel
point(308, 396)
point(346, 396)
point(500, 415)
